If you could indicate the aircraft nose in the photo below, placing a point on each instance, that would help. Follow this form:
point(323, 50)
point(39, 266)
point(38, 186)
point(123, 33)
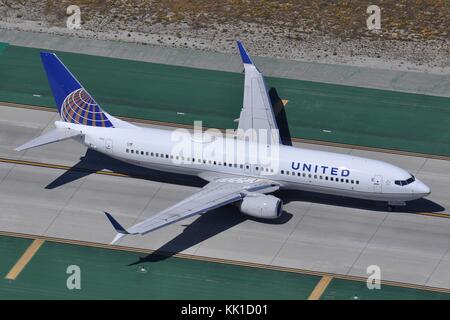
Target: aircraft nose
point(421, 188)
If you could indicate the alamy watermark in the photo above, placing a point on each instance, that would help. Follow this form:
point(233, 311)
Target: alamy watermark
point(74, 279)
point(374, 278)
point(74, 19)
point(256, 150)
point(374, 20)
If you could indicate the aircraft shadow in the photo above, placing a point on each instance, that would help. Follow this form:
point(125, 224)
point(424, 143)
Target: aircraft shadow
point(206, 226)
point(94, 161)
point(280, 117)
point(415, 206)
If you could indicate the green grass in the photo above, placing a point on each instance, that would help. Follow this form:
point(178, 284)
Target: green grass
point(340, 289)
point(107, 274)
point(3, 46)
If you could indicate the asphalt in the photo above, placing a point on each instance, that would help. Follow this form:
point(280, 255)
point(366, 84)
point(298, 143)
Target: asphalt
point(318, 233)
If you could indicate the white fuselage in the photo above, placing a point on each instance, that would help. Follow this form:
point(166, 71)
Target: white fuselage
point(297, 168)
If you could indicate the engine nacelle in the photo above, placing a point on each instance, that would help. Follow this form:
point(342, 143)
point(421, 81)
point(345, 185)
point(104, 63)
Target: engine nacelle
point(261, 206)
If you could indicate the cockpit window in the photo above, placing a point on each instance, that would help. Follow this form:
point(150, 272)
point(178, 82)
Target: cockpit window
point(405, 182)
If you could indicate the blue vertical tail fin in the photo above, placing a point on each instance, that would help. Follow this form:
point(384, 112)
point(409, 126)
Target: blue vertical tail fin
point(75, 104)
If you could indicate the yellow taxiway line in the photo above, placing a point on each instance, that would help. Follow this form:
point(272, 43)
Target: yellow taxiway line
point(24, 259)
point(57, 166)
point(320, 288)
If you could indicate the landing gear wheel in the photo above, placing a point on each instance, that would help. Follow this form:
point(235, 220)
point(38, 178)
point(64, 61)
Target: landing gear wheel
point(390, 208)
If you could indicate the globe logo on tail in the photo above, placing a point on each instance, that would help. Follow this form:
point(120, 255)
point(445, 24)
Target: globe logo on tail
point(79, 107)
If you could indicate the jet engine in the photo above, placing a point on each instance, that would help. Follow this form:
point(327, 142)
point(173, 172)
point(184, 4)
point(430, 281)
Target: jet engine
point(261, 206)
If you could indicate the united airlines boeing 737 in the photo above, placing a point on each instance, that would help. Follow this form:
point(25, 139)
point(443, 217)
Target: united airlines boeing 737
point(229, 181)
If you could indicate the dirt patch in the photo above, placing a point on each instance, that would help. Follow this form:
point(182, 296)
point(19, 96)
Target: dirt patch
point(332, 31)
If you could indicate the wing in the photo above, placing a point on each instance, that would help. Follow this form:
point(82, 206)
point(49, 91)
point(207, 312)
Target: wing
point(217, 193)
point(257, 112)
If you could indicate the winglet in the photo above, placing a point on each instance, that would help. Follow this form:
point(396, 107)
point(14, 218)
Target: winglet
point(244, 55)
point(116, 225)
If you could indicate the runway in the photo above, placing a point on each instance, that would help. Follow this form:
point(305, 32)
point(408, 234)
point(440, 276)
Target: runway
point(317, 233)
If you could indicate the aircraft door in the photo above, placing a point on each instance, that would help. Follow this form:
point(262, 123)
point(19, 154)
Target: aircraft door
point(108, 146)
point(377, 182)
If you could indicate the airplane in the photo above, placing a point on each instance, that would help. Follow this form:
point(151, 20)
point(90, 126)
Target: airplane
point(248, 185)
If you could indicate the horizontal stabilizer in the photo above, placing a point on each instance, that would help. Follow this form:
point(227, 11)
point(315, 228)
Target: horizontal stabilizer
point(51, 136)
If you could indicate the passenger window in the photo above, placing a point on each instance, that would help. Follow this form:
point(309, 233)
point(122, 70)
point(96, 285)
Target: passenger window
point(282, 171)
point(127, 150)
point(146, 153)
point(326, 178)
point(315, 176)
point(132, 151)
point(357, 182)
point(346, 180)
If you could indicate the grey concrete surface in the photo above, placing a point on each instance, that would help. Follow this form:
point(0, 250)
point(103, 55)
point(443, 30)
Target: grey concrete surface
point(434, 84)
point(317, 233)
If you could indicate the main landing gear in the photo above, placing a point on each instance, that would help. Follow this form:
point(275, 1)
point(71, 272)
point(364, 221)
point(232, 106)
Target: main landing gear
point(391, 206)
